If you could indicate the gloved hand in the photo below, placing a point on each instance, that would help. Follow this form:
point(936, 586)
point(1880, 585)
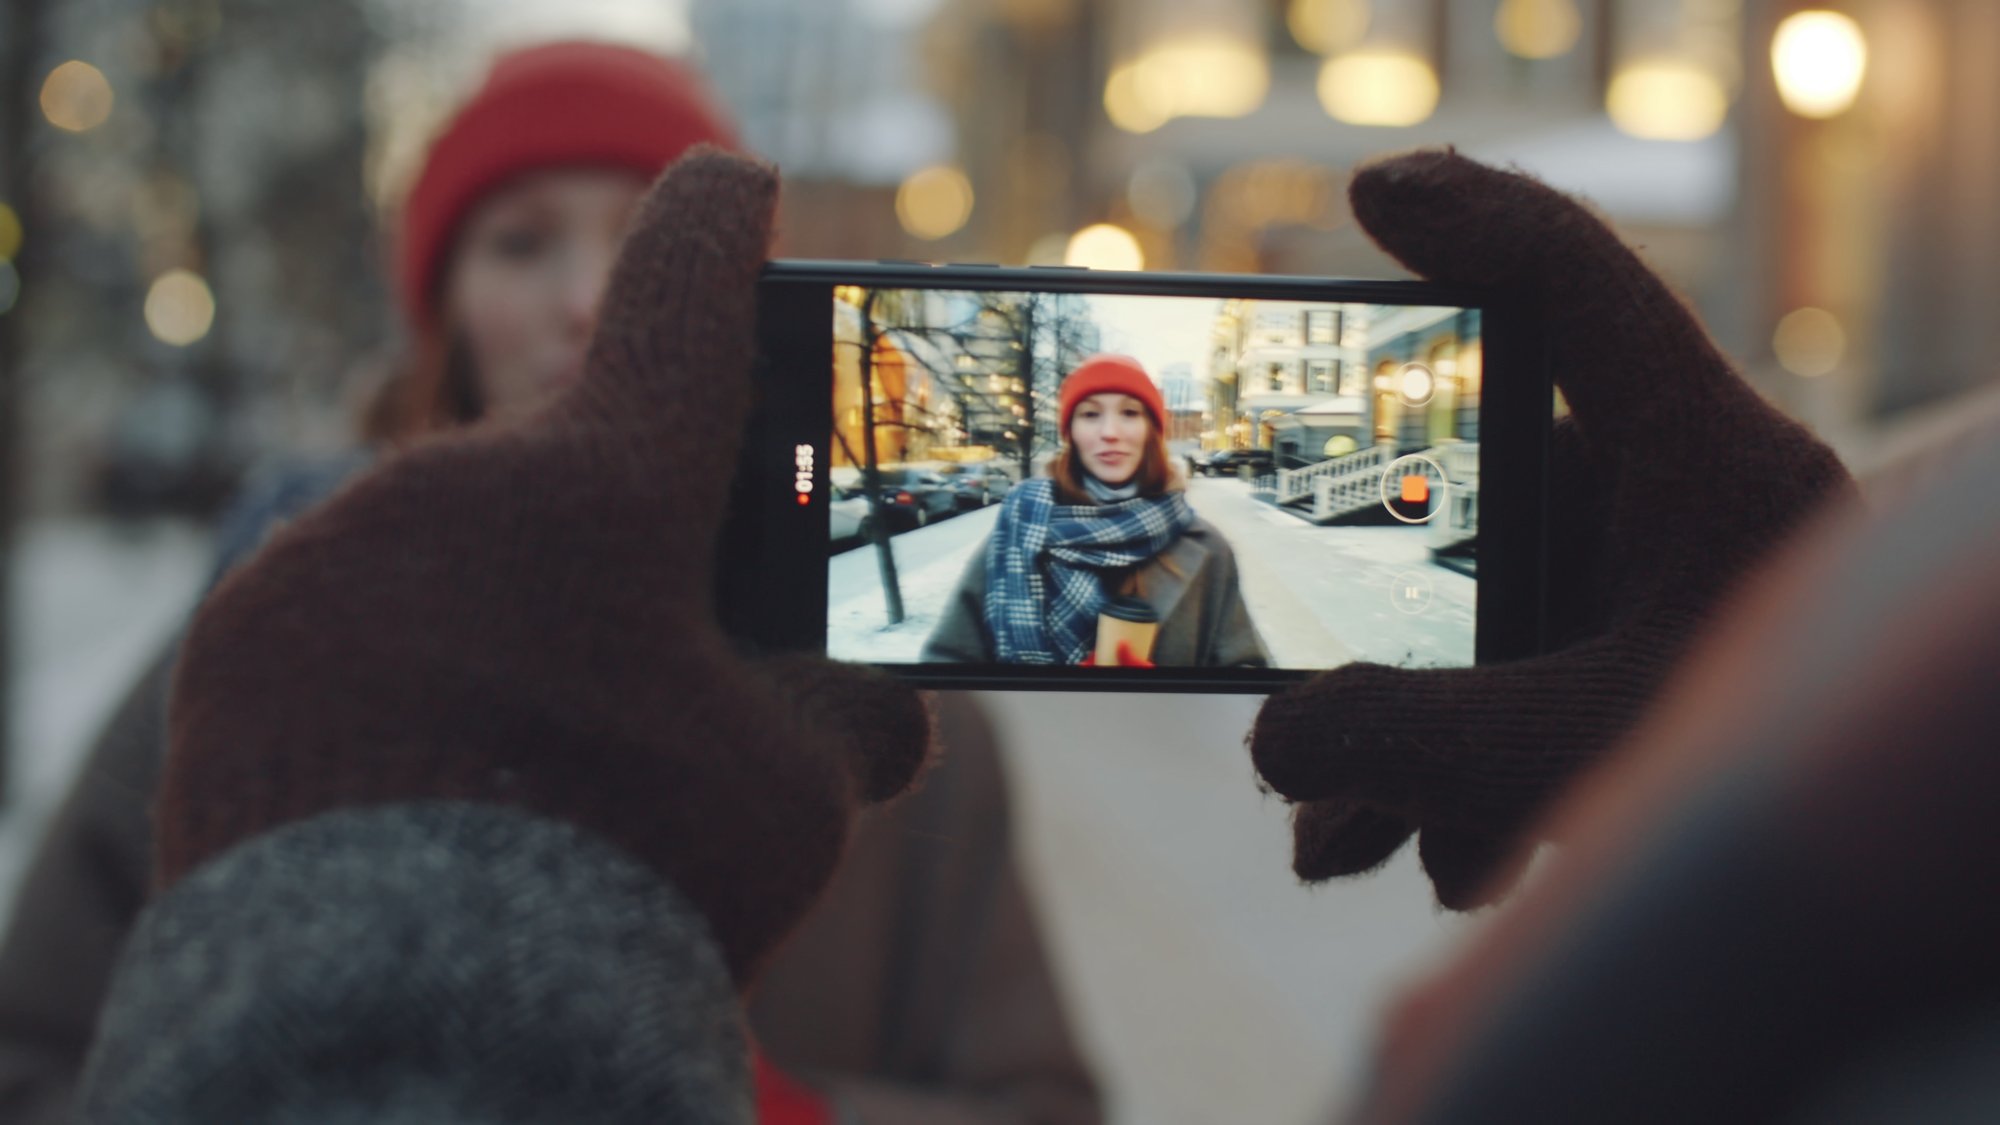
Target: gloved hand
point(1670, 480)
point(521, 614)
point(1126, 658)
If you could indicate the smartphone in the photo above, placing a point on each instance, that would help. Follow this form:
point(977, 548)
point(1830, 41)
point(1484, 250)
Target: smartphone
point(1268, 477)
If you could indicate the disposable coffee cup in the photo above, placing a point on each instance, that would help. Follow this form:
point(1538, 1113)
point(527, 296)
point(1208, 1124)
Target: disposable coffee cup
point(1126, 619)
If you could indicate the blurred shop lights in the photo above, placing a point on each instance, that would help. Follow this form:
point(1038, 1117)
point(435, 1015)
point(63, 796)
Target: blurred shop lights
point(10, 233)
point(1819, 59)
point(1538, 29)
point(76, 97)
point(1205, 75)
point(1383, 88)
point(1809, 342)
point(1667, 99)
point(1104, 246)
point(934, 202)
point(179, 308)
point(1327, 26)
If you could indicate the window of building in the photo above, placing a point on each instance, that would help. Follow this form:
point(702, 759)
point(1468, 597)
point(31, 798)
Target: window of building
point(1323, 376)
point(1277, 376)
point(1350, 377)
point(1322, 326)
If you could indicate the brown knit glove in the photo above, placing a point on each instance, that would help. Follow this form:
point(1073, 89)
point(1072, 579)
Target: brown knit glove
point(523, 615)
point(1671, 479)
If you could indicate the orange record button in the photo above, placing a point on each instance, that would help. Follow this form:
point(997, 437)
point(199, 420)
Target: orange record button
point(1416, 489)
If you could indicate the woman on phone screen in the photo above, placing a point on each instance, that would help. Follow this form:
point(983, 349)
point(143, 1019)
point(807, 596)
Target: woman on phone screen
point(1112, 521)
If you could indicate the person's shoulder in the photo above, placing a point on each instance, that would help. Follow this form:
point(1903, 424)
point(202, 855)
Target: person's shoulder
point(276, 492)
point(1208, 537)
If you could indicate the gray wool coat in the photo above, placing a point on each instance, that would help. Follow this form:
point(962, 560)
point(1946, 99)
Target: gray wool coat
point(1192, 585)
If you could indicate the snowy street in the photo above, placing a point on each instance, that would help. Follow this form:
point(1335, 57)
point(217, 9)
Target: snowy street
point(929, 562)
point(1319, 596)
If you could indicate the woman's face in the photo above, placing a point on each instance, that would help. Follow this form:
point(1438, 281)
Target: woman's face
point(1109, 432)
point(526, 277)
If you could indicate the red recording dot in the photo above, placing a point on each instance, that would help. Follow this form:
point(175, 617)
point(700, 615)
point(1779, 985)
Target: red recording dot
point(804, 499)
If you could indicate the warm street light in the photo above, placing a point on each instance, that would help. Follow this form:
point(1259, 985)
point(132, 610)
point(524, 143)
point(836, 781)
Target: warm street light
point(1538, 29)
point(1381, 88)
point(1202, 75)
point(1666, 99)
point(1105, 246)
point(934, 202)
point(10, 233)
point(1809, 342)
point(76, 97)
point(1819, 59)
point(179, 308)
point(1327, 26)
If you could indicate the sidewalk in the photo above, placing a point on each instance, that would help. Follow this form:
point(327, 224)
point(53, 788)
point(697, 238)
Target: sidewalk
point(1322, 596)
point(929, 563)
point(1209, 985)
point(92, 602)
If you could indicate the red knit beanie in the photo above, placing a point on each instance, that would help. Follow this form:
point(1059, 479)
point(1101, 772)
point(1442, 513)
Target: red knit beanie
point(1113, 374)
point(570, 103)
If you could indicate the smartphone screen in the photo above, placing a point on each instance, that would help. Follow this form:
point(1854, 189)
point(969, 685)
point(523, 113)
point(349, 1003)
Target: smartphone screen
point(1093, 481)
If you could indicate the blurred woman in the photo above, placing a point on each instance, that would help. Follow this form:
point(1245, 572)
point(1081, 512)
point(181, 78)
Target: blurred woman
point(1113, 522)
point(919, 990)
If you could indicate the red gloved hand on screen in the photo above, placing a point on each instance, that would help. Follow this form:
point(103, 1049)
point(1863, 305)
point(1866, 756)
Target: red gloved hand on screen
point(1126, 658)
point(522, 615)
point(1670, 480)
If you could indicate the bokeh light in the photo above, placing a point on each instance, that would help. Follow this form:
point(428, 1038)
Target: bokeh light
point(1667, 100)
point(1416, 384)
point(10, 233)
point(1104, 246)
point(1196, 76)
point(1809, 342)
point(1128, 105)
point(1538, 29)
point(1381, 88)
point(934, 202)
point(1819, 59)
point(76, 97)
point(1327, 26)
point(179, 308)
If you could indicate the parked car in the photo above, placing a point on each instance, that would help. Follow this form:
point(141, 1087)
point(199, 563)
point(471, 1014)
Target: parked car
point(1231, 462)
point(847, 515)
point(915, 497)
point(977, 485)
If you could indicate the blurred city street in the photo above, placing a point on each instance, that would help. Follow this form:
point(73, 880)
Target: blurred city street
point(93, 600)
point(239, 237)
point(1320, 596)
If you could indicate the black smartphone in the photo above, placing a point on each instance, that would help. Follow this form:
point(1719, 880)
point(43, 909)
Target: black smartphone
point(982, 477)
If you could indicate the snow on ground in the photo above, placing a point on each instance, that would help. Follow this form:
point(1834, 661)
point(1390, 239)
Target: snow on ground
point(92, 602)
point(929, 563)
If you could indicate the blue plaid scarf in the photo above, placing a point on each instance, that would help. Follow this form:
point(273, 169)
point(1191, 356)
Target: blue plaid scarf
point(1046, 563)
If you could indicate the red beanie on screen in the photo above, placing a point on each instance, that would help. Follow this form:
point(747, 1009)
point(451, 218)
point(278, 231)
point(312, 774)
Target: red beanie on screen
point(572, 103)
point(1112, 374)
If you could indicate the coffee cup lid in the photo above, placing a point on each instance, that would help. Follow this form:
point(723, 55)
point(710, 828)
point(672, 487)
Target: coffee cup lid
point(1124, 607)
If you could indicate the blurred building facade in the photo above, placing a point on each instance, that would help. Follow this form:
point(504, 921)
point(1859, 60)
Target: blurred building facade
point(199, 186)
